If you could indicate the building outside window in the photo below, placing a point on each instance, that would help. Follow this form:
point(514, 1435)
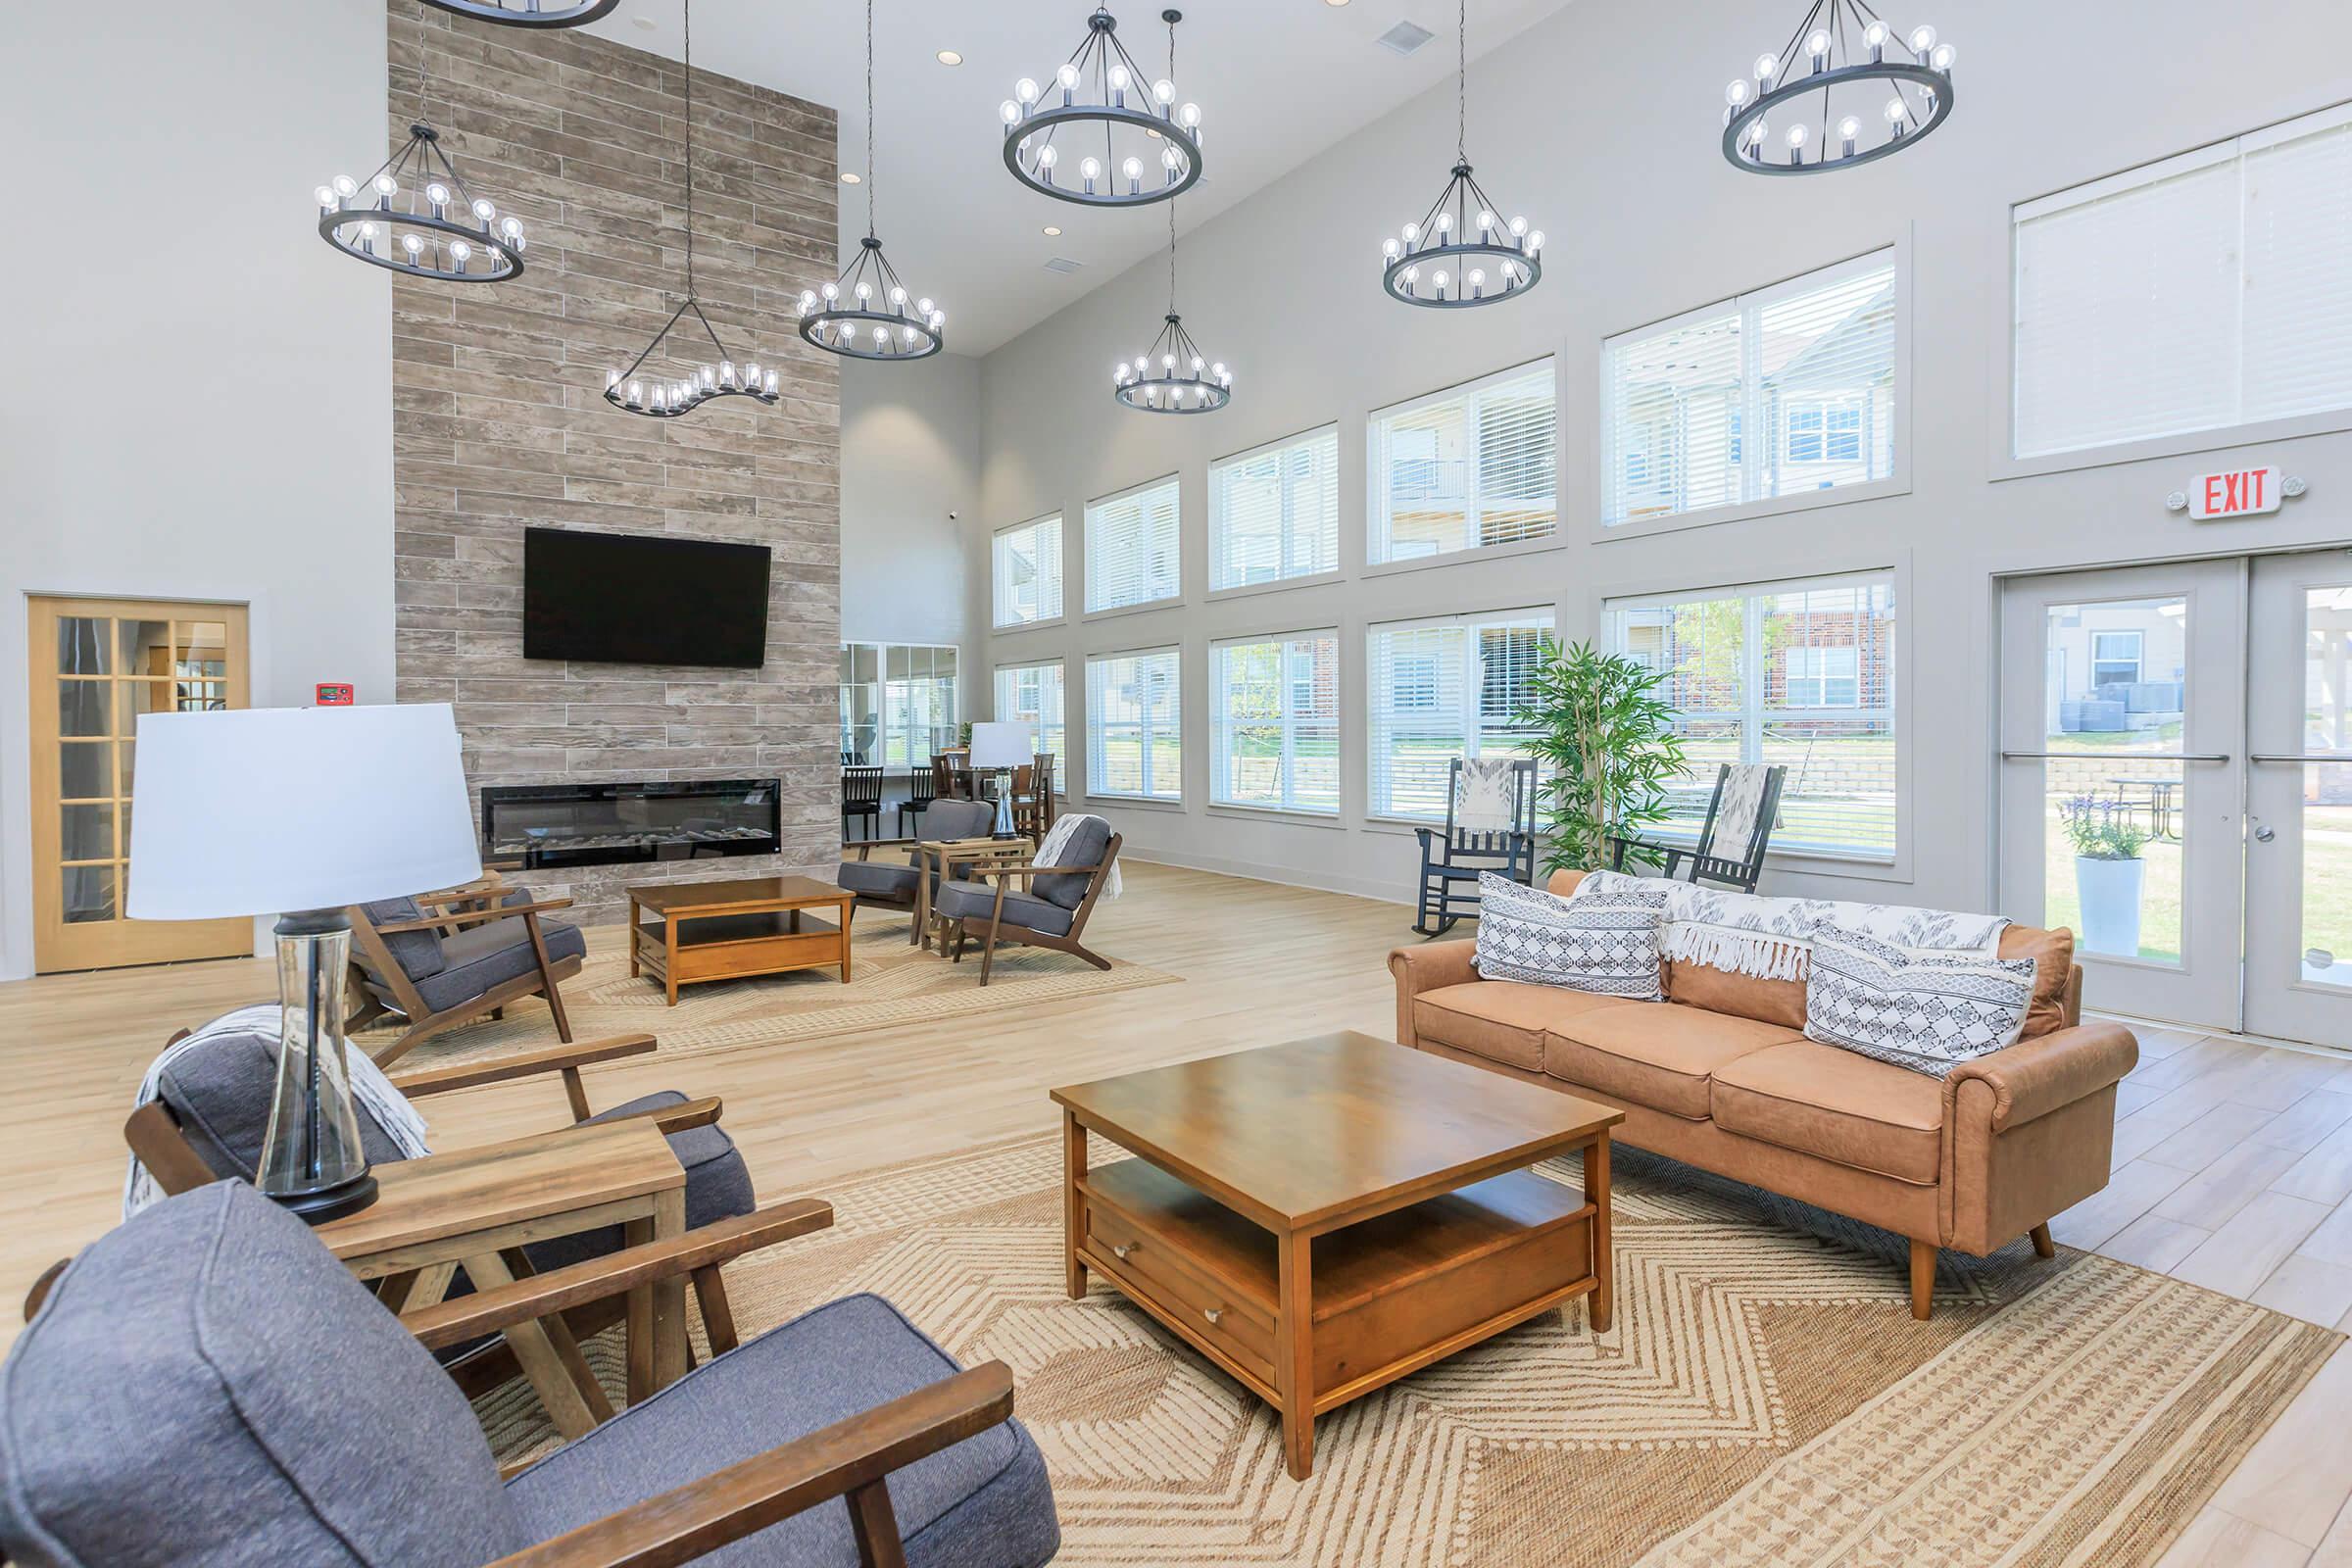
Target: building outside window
point(897, 703)
point(1275, 722)
point(1032, 695)
point(1442, 688)
point(1465, 468)
point(1134, 725)
point(1025, 570)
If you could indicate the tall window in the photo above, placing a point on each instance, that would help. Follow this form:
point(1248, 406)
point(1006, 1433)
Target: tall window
point(1134, 734)
point(897, 703)
point(1466, 468)
point(1025, 565)
point(1131, 546)
point(1799, 673)
point(1809, 364)
point(1442, 688)
point(1275, 722)
point(2205, 291)
point(1031, 695)
point(1275, 512)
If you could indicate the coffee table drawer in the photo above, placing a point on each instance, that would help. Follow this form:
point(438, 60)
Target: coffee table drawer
point(1146, 1264)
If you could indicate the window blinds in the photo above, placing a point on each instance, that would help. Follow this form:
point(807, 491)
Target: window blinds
point(1131, 547)
point(1466, 468)
point(2201, 292)
point(1031, 695)
point(1025, 565)
point(1275, 723)
point(1797, 674)
point(1134, 737)
point(1444, 689)
point(1772, 394)
point(1275, 512)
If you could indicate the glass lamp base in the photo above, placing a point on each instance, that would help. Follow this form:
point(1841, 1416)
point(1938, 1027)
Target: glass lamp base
point(313, 1162)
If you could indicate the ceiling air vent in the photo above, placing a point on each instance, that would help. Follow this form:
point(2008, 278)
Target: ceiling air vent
point(1404, 37)
point(1063, 265)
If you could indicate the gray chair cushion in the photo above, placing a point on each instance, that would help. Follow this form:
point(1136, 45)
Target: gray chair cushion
point(718, 1186)
point(484, 955)
point(206, 1385)
point(220, 1092)
point(1088, 840)
point(418, 952)
point(877, 879)
point(959, 820)
point(983, 1504)
point(973, 901)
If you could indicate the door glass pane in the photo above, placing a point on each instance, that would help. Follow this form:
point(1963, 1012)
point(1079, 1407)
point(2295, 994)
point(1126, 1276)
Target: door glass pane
point(145, 646)
point(2327, 787)
point(81, 644)
point(87, 832)
point(88, 893)
point(137, 697)
point(2115, 688)
point(130, 748)
point(81, 707)
point(83, 773)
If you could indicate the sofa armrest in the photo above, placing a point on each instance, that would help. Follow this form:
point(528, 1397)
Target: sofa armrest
point(1426, 968)
point(2034, 1077)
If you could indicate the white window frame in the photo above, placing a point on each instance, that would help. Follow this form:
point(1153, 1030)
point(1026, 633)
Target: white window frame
point(1547, 620)
point(1061, 752)
point(1378, 561)
point(1095, 554)
point(1221, 725)
point(882, 684)
point(996, 581)
point(2137, 661)
point(1216, 518)
point(1821, 674)
point(1895, 252)
point(2006, 464)
point(1145, 734)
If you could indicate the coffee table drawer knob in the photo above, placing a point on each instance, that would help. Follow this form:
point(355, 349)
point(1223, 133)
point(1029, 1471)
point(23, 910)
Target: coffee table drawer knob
point(1215, 1314)
point(1120, 1250)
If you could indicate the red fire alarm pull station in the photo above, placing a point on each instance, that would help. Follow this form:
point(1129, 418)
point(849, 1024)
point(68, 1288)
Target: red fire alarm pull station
point(334, 694)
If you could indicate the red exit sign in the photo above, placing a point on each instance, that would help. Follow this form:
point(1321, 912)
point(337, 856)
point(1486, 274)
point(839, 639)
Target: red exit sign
point(2236, 492)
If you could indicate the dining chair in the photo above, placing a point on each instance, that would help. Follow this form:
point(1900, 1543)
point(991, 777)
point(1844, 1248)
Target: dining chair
point(861, 800)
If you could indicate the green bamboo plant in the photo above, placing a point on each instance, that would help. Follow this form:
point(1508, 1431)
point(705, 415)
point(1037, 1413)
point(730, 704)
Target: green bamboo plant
point(1608, 748)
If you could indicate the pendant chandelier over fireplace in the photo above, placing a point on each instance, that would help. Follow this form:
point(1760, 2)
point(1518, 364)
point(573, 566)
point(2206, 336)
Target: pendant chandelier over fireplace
point(1096, 134)
point(661, 395)
point(417, 214)
point(1443, 260)
point(1846, 89)
point(543, 15)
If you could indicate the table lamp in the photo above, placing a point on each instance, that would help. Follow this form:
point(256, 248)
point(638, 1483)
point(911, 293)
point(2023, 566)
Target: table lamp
point(996, 748)
point(300, 812)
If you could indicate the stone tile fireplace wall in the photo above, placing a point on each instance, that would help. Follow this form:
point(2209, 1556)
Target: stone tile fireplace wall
point(499, 421)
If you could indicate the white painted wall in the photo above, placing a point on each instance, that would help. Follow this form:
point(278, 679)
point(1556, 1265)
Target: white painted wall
point(198, 399)
point(1599, 123)
point(910, 484)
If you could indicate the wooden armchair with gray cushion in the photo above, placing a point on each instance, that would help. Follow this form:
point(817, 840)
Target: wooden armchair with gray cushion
point(892, 885)
point(1048, 911)
point(208, 1385)
point(441, 959)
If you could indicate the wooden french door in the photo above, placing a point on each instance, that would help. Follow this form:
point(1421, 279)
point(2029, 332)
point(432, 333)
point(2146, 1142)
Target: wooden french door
point(96, 665)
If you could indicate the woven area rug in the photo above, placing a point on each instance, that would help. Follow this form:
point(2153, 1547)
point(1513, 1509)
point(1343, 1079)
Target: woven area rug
point(1764, 1397)
point(891, 983)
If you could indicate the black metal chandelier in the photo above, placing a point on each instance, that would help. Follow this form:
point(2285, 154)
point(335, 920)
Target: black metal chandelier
point(1097, 135)
point(1460, 254)
point(1173, 375)
point(865, 313)
point(417, 214)
point(1846, 89)
point(664, 396)
point(530, 13)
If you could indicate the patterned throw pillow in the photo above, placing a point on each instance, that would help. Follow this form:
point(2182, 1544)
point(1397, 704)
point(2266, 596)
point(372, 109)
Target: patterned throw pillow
point(1600, 943)
point(1926, 1011)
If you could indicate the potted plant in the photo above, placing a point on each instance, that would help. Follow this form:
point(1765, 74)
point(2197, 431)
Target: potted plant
point(2109, 872)
point(1608, 749)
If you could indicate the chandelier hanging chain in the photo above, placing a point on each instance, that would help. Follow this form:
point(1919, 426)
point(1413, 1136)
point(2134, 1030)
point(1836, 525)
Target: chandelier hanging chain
point(1171, 205)
point(869, 119)
point(1461, 82)
point(688, 10)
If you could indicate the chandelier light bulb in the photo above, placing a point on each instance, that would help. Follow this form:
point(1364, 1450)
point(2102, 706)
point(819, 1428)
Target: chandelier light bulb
point(460, 253)
point(346, 186)
point(1119, 78)
point(1941, 55)
point(386, 185)
point(512, 228)
point(922, 306)
point(1797, 133)
point(636, 393)
point(1486, 220)
point(485, 211)
point(1412, 232)
point(1390, 249)
point(898, 296)
point(865, 291)
point(1818, 46)
point(1048, 156)
point(1519, 227)
point(1895, 111)
point(1009, 112)
point(1534, 241)
point(1067, 75)
point(326, 196)
point(412, 243)
point(1164, 91)
point(832, 292)
point(1766, 68)
point(437, 193)
point(1738, 93)
point(1478, 279)
point(1445, 223)
point(1922, 40)
point(1089, 169)
point(1875, 35)
point(1188, 116)
point(1026, 90)
point(1759, 131)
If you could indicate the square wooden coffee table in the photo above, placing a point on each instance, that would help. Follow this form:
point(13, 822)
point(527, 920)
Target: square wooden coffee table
point(745, 926)
point(1323, 1217)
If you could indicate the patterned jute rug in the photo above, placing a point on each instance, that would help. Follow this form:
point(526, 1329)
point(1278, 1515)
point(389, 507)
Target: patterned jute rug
point(890, 983)
point(1764, 1397)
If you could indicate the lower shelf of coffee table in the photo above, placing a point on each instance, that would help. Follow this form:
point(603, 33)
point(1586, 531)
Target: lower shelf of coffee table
point(723, 946)
point(1389, 1295)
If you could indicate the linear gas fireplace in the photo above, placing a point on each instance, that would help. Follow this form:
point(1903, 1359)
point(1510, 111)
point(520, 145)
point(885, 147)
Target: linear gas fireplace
point(603, 824)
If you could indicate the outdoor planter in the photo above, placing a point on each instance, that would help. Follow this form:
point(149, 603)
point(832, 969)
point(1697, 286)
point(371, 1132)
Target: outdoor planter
point(2109, 890)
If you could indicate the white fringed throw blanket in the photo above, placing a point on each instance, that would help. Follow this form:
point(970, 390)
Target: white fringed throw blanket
point(1772, 939)
point(368, 1086)
point(1056, 850)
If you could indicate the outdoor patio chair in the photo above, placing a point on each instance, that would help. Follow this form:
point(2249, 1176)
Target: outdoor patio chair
point(1740, 818)
point(1490, 826)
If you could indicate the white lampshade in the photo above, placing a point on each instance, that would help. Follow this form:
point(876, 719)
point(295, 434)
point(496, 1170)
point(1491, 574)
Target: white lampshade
point(262, 811)
point(999, 745)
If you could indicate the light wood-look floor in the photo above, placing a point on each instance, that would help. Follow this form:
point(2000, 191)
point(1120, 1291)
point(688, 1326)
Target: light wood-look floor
point(2233, 1162)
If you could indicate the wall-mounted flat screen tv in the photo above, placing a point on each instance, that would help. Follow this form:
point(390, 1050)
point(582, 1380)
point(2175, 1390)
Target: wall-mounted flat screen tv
point(643, 599)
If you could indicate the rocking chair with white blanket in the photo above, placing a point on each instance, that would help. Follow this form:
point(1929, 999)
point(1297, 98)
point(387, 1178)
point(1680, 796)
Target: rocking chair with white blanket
point(1490, 826)
point(1740, 818)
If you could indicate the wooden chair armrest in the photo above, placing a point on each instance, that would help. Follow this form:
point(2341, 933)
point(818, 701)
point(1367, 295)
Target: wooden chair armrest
point(467, 1317)
point(450, 917)
point(1032, 867)
point(676, 1118)
point(522, 1064)
point(484, 889)
point(686, 1522)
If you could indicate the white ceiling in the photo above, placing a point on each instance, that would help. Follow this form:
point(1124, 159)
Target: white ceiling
point(1277, 81)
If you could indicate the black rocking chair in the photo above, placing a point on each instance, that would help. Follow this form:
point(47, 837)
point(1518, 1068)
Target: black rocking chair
point(1486, 837)
point(1737, 871)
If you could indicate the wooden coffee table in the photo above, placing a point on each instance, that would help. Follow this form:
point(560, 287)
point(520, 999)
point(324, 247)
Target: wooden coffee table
point(1323, 1217)
point(727, 930)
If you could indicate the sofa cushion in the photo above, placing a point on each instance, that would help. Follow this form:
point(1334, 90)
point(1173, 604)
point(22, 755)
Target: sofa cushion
point(1659, 1055)
point(2053, 955)
point(1819, 1099)
point(977, 900)
point(1502, 1020)
point(1742, 996)
point(493, 952)
point(880, 879)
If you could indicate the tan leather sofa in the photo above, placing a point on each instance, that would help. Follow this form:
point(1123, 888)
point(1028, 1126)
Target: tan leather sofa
point(1721, 1076)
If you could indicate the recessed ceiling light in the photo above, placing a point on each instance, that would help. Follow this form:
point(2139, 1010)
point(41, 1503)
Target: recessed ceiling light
point(1334, 2)
point(1052, 229)
point(949, 57)
point(852, 177)
point(646, 23)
